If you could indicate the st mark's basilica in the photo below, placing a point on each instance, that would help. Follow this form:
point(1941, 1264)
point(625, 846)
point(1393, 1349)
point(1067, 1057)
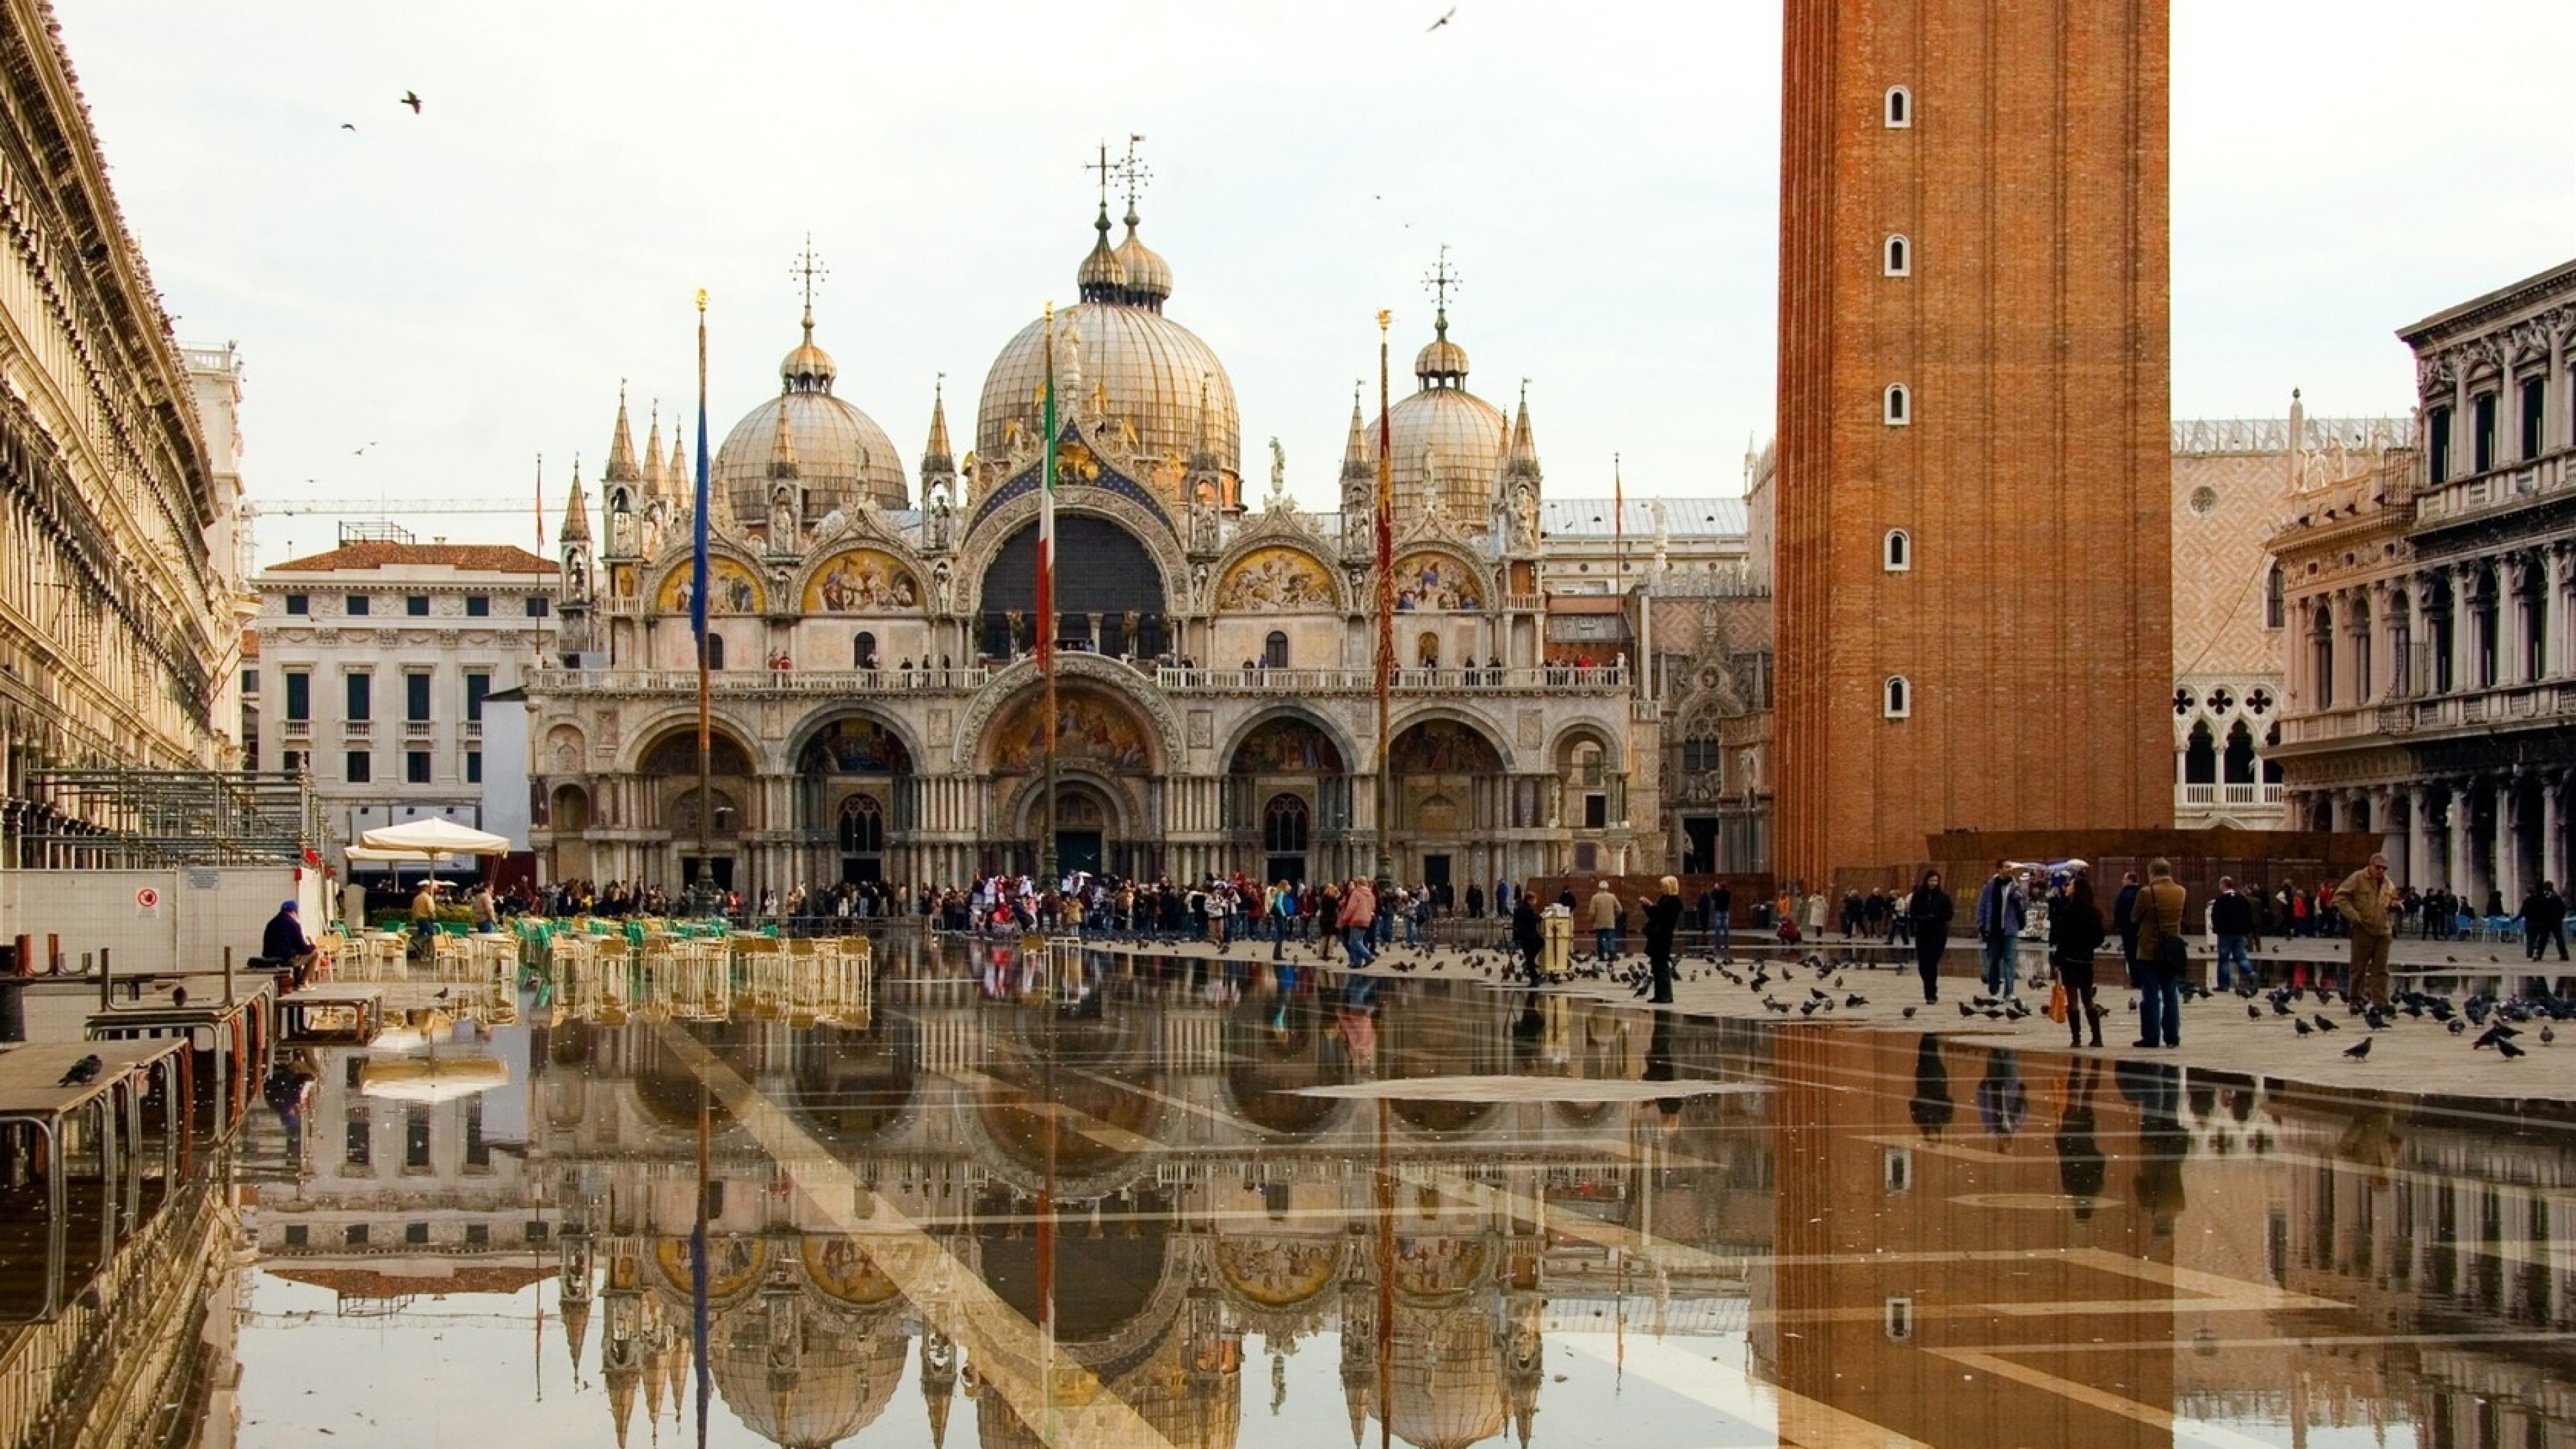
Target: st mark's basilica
point(877, 709)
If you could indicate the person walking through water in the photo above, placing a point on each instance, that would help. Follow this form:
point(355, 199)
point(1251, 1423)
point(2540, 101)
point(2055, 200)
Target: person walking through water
point(2075, 926)
point(2162, 957)
point(1662, 918)
point(1931, 911)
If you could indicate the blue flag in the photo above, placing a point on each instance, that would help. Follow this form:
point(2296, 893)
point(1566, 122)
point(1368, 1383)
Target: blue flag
point(698, 559)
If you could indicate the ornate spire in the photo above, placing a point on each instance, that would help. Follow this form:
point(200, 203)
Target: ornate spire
point(782, 448)
point(576, 524)
point(683, 482)
point(1101, 277)
point(621, 446)
point(1359, 459)
point(1522, 460)
point(1204, 460)
point(808, 368)
point(655, 480)
point(935, 457)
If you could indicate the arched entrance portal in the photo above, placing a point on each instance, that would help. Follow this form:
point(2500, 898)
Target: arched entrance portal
point(669, 770)
point(1104, 769)
point(1449, 805)
point(855, 801)
point(1288, 801)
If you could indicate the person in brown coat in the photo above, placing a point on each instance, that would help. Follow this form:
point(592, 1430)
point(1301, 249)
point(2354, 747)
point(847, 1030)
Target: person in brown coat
point(2368, 900)
point(2162, 961)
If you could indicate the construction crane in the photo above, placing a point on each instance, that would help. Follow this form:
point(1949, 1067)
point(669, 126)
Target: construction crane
point(382, 508)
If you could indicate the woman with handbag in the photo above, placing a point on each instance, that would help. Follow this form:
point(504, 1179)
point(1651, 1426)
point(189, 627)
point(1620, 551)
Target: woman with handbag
point(2163, 958)
point(2076, 925)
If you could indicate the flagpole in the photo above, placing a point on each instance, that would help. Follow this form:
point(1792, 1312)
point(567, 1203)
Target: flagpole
point(706, 886)
point(1385, 613)
point(1047, 862)
point(541, 503)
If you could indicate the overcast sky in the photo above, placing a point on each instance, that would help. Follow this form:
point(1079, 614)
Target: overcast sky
point(461, 291)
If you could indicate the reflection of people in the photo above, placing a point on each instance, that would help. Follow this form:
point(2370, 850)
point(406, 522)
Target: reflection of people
point(1931, 1107)
point(1355, 1022)
point(285, 943)
point(2081, 1166)
point(2002, 1103)
point(1662, 918)
point(2162, 1142)
point(1659, 1065)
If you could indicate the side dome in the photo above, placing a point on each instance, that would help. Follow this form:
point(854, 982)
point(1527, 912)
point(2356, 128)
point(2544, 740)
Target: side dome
point(1122, 365)
point(1448, 443)
point(842, 456)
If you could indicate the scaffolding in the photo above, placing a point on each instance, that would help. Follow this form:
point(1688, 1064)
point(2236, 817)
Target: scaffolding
point(166, 819)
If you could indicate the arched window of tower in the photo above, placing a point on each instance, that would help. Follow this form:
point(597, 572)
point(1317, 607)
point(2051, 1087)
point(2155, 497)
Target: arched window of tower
point(1900, 108)
point(1897, 555)
point(1898, 408)
point(1898, 697)
point(1900, 256)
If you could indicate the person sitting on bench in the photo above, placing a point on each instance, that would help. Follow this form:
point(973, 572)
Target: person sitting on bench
point(285, 946)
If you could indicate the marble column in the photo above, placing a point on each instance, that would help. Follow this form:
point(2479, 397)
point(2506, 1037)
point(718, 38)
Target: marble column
point(2419, 838)
point(2553, 832)
point(2456, 817)
point(2508, 842)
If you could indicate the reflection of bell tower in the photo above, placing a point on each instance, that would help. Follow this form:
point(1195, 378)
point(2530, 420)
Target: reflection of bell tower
point(573, 1262)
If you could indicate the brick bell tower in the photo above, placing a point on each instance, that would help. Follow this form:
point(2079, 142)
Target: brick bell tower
point(1973, 570)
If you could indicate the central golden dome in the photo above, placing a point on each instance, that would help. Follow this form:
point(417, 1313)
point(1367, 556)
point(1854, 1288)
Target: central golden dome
point(1122, 365)
point(842, 455)
point(1448, 443)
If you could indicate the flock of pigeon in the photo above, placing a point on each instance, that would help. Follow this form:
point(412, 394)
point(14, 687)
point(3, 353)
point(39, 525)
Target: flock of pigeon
point(1812, 986)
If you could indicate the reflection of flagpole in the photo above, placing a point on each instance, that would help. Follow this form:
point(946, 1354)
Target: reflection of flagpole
point(698, 1265)
point(1385, 1280)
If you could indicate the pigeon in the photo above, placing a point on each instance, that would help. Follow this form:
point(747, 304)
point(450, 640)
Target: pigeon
point(411, 99)
point(1855, 999)
point(2508, 1049)
point(2301, 1023)
point(83, 1072)
point(178, 996)
point(2359, 1049)
point(348, 125)
point(2323, 1023)
point(2253, 1012)
point(2547, 1036)
point(1444, 19)
point(1909, 1016)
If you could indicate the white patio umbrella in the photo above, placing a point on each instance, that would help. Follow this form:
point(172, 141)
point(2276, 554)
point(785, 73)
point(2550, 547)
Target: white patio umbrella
point(438, 837)
point(430, 1078)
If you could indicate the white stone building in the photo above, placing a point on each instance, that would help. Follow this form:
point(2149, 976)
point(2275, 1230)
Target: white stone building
point(373, 662)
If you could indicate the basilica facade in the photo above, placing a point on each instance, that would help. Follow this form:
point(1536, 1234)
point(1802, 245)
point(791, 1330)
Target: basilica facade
point(877, 711)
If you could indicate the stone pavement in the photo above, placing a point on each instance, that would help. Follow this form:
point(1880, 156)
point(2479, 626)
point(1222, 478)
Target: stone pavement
point(2416, 1056)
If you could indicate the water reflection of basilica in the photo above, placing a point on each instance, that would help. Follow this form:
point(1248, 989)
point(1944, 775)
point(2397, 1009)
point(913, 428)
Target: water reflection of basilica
point(1956, 1244)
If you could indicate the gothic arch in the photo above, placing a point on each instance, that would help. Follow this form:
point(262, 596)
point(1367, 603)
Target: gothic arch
point(1424, 714)
point(842, 544)
point(679, 572)
point(1303, 714)
point(1252, 540)
point(723, 724)
point(1151, 531)
point(1004, 685)
point(1488, 591)
point(828, 715)
point(1020, 810)
point(1577, 729)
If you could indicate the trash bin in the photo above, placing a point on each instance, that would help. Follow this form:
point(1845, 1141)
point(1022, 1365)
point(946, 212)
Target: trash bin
point(1556, 943)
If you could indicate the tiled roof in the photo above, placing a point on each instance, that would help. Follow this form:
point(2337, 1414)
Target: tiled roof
point(1683, 517)
point(476, 557)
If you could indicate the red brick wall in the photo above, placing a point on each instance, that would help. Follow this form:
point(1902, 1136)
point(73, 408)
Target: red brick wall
point(2035, 625)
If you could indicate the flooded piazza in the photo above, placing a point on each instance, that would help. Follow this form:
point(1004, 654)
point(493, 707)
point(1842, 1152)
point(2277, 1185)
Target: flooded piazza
point(974, 1195)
